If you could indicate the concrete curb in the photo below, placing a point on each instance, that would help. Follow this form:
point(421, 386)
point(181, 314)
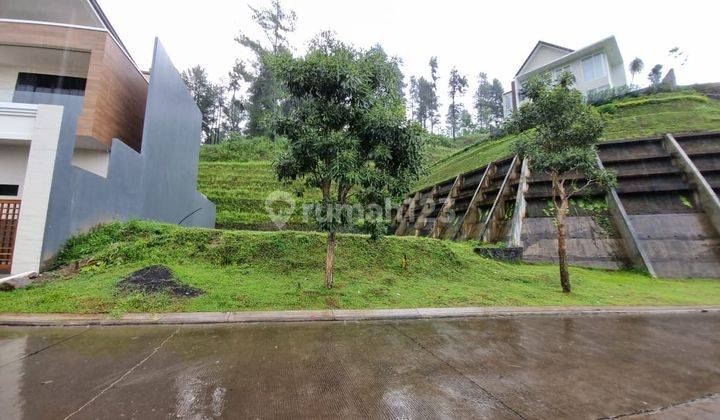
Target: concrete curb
point(66, 320)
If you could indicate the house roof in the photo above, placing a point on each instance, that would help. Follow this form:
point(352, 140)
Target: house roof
point(539, 45)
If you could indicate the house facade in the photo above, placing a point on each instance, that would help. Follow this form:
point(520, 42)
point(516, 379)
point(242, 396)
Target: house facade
point(85, 136)
point(596, 67)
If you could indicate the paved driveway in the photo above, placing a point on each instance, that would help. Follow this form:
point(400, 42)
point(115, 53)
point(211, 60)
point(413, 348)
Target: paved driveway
point(528, 367)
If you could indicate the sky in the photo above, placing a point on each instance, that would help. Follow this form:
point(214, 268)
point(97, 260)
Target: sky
point(472, 35)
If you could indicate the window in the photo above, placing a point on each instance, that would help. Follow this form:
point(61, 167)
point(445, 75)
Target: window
point(47, 83)
point(594, 67)
point(9, 190)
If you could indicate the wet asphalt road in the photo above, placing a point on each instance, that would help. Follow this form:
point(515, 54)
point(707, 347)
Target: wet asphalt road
point(527, 367)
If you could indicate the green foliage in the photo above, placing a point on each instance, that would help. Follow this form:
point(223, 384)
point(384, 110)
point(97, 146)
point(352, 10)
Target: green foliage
point(488, 101)
point(612, 108)
point(597, 208)
point(280, 270)
point(237, 148)
point(266, 97)
point(207, 96)
point(606, 95)
point(663, 113)
point(347, 128)
point(566, 130)
point(686, 202)
point(655, 74)
point(457, 84)
point(636, 66)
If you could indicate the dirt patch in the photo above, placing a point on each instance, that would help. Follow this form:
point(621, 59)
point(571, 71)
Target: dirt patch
point(157, 279)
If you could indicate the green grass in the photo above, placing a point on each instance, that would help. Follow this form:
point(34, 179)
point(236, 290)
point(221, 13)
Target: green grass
point(681, 112)
point(241, 270)
point(238, 175)
point(240, 189)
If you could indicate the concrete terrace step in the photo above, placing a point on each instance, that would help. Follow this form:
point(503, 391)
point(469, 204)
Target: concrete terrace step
point(688, 226)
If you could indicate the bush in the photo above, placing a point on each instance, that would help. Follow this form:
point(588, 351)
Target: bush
point(607, 95)
point(613, 107)
point(243, 149)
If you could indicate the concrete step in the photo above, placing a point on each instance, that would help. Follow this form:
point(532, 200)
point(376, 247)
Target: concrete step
point(696, 270)
point(679, 245)
point(587, 244)
point(688, 226)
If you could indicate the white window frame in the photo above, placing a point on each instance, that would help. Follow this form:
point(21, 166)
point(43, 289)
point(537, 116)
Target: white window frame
point(603, 67)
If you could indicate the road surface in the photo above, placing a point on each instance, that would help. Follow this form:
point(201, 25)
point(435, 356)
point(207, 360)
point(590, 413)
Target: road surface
point(519, 367)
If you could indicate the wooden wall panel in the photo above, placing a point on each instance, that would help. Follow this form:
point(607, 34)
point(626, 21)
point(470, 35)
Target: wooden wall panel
point(116, 92)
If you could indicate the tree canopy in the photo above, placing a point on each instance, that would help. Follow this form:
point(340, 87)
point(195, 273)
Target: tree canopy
point(559, 132)
point(347, 131)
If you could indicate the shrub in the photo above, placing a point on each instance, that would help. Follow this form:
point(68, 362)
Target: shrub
point(243, 149)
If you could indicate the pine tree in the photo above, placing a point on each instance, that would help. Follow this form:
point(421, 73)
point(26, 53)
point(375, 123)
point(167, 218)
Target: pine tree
point(456, 88)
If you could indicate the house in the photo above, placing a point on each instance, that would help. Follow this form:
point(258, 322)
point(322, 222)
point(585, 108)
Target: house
point(85, 136)
point(596, 67)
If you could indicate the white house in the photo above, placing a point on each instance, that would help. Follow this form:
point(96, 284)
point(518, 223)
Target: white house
point(85, 136)
point(596, 67)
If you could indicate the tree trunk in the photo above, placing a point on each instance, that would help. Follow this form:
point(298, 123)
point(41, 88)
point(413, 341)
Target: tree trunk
point(562, 246)
point(330, 260)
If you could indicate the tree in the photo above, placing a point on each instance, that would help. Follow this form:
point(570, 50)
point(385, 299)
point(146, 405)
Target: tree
point(454, 118)
point(414, 96)
point(636, 66)
point(655, 75)
point(466, 123)
point(456, 87)
point(348, 134)
point(497, 101)
point(265, 97)
point(207, 97)
point(562, 145)
point(433, 104)
point(488, 101)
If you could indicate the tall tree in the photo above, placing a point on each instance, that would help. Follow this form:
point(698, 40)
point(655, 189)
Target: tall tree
point(466, 123)
point(348, 133)
point(483, 107)
point(207, 97)
point(655, 75)
point(457, 84)
point(414, 96)
point(433, 104)
point(424, 108)
point(497, 101)
point(562, 145)
point(636, 66)
point(276, 23)
point(265, 96)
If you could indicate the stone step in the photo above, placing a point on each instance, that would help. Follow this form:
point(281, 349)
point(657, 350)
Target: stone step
point(688, 226)
point(696, 270)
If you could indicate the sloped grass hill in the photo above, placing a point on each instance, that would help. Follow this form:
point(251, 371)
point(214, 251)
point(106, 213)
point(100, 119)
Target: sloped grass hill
point(245, 270)
point(238, 177)
point(677, 112)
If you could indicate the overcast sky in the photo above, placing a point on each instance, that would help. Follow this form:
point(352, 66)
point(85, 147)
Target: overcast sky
point(474, 35)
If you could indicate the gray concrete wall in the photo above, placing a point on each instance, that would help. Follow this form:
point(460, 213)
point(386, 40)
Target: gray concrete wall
point(157, 184)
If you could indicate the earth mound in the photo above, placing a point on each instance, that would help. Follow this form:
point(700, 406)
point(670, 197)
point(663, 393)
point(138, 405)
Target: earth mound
point(157, 279)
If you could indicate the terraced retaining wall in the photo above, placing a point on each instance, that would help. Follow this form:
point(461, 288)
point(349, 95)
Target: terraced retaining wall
point(663, 216)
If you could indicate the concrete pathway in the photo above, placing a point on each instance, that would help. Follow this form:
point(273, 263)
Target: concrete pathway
point(52, 319)
point(564, 366)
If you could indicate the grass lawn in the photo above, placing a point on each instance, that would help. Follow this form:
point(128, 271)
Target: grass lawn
point(238, 176)
point(680, 112)
point(242, 270)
